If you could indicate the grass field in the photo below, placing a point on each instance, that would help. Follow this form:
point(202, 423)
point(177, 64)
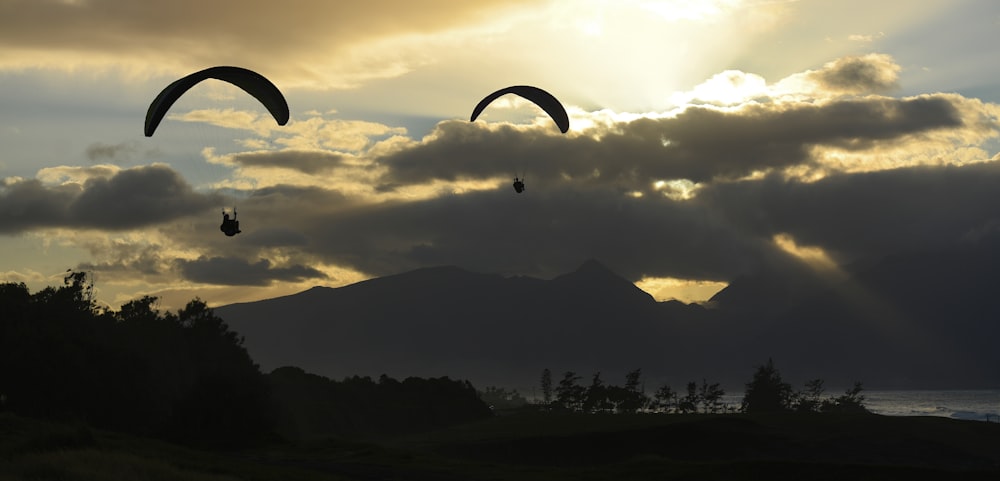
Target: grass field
point(539, 446)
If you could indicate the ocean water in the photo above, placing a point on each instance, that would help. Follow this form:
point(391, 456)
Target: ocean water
point(979, 405)
point(975, 405)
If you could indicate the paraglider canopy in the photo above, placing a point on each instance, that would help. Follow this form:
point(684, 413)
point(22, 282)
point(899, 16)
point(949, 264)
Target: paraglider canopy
point(251, 82)
point(230, 226)
point(539, 97)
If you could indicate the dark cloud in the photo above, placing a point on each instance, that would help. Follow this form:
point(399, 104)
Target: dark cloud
point(873, 73)
point(309, 162)
point(132, 198)
point(146, 264)
point(122, 153)
point(239, 272)
point(726, 230)
point(700, 144)
point(544, 232)
point(870, 214)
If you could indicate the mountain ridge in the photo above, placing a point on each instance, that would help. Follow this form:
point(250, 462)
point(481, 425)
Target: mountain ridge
point(496, 330)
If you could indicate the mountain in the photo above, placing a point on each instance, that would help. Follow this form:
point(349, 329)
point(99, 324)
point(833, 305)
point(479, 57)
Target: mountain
point(922, 320)
point(449, 321)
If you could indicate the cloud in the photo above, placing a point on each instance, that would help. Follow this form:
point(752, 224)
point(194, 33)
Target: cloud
point(726, 230)
point(302, 41)
point(868, 215)
point(309, 162)
point(544, 232)
point(873, 73)
point(698, 144)
point(127, 199)
point(120, 153)
point(128, 262)
point(238, 272)
point(865, 38)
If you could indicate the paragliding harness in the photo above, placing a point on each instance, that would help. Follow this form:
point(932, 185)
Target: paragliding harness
point(518, 185)
point(230, 227)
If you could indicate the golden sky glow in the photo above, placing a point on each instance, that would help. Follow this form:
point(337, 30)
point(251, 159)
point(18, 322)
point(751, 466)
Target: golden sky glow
point(669, 288)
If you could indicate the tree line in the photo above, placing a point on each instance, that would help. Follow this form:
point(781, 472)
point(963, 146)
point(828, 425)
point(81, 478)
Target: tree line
point(765, 392)
point(186, 376)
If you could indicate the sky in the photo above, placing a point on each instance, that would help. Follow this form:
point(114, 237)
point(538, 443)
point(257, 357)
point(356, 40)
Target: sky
point(708, 140)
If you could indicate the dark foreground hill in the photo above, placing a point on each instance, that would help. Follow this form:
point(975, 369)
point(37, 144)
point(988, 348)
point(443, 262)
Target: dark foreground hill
point(541, 446)
point(921, 320)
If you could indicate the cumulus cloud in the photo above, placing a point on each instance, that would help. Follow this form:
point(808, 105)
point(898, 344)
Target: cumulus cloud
point(698, 144)
point(873, 73)
point(126, 199)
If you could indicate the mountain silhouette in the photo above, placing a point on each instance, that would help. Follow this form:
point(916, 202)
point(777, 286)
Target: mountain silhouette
point(919, 320)
point(449, 321)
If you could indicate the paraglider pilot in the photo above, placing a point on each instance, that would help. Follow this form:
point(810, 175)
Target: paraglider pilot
point(518, 185)
point(230, 227)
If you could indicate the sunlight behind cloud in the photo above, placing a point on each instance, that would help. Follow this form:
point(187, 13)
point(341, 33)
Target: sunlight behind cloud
point(727, 88)
point(684, 290)
point(813, 256)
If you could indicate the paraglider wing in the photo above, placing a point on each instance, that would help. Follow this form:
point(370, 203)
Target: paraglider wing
point(252, 82)
point(539, 97)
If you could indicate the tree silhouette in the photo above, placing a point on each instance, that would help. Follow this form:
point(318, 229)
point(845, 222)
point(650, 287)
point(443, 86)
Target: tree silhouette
point(808, 400)
point(852, 401)
point(546, 386)
point(710, 396)
point(689, 403)
point(767, 392)
point(184, 376)
point(666, 399)
point(595, 398)
point(569, 395)
point(631, 398)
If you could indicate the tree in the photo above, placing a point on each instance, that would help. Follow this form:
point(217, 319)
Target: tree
point(710, 396)
point(808, 400)
point(568, 394)
point(595, 398)
point(767, 392)
point(632, 398)
point(666, 399)
point(852, 401)
point(547, 386)
point(689, 403)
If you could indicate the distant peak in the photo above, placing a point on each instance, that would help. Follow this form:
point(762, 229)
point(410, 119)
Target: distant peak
point(592, 269)
point(594, 266)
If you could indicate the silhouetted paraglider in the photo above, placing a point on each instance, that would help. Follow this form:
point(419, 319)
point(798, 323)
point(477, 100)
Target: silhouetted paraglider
point(252, 82)
point(539, 97)
point(230, 226)
point(518, 185)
